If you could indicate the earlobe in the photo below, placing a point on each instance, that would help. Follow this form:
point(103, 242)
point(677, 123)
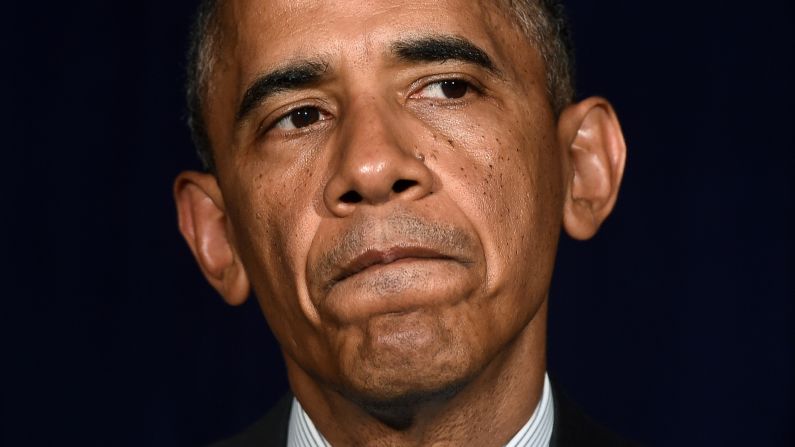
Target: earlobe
point(202, 222)
point(594, 154)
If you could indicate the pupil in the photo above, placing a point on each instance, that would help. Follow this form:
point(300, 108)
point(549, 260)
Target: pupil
point(305, 117)
point(454, 89)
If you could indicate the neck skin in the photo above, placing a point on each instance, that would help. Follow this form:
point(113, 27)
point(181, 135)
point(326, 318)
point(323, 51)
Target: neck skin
point(488, 411)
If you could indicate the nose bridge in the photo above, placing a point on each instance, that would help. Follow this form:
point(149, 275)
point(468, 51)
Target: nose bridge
point(376, 161)
point(368, 132)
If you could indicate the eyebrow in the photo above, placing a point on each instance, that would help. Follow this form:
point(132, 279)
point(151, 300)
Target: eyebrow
point(294, 75)
point(302, 73)
point(441, 49)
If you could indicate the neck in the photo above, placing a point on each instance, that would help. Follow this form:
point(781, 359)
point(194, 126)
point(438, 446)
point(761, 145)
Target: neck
point(486, 410)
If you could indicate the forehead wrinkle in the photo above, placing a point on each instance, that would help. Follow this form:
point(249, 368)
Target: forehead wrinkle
point(367, 39)
point(362, 46)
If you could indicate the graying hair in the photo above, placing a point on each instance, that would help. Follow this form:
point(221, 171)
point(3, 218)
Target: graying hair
point(544, 22)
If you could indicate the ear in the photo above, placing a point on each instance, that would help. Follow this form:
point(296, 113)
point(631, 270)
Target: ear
point(594, 152)
point(203, 224)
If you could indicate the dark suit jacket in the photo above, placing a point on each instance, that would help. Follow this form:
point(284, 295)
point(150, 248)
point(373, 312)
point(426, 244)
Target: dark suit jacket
point(571, 428)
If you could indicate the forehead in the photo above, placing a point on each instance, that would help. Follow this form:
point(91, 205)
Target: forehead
point(259, 33)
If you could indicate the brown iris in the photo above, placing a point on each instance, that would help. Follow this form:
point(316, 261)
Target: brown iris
point(454, 89)
point(305, 116)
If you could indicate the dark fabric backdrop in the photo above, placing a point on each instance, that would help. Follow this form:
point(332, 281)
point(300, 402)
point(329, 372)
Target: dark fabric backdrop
point(674, 326)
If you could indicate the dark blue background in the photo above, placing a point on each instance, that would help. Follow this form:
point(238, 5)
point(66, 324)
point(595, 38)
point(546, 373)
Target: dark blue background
point(674, 326)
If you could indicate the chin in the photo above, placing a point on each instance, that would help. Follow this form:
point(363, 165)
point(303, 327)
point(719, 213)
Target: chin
point(407, 360)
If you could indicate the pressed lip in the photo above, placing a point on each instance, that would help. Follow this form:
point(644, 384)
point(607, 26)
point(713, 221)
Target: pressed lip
point(374, 257)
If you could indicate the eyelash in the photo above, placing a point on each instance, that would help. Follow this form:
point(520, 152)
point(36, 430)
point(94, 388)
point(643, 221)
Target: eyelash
point(271, 125)
point(471, 85)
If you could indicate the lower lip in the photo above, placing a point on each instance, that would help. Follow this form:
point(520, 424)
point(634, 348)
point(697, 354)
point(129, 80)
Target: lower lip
point(400, 286)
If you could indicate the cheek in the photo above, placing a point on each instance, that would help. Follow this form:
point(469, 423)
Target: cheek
point(507, 183)
point(274, 224)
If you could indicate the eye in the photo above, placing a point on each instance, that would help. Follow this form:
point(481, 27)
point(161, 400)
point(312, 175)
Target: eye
point(300, 118)
point(446, 89)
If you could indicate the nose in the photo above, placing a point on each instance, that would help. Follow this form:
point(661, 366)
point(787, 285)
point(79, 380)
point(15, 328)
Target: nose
point(376, 164)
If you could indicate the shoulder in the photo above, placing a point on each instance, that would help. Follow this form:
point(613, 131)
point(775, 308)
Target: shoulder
point(269, 431)
point(573, 428)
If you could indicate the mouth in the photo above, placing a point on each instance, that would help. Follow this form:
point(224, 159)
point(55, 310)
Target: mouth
point(374, 258)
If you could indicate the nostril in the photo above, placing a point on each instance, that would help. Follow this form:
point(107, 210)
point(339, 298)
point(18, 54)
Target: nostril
point(402, 185)
point(351, 197)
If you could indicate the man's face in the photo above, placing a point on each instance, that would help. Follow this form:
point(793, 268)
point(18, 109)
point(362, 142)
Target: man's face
point(393, 184)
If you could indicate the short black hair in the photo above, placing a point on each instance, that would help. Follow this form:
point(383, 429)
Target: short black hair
point(201, 48)
point(543, 21)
